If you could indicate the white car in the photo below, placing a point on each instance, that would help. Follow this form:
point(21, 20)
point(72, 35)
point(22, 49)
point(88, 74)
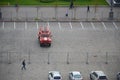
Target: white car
point(54, 75)
point(98, 75)
point(75, 75)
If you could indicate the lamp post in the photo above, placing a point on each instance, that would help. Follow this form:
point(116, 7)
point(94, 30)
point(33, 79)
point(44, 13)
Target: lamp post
point(111, 10)
point(56, 11)
point(0, 14)
point(37, 11)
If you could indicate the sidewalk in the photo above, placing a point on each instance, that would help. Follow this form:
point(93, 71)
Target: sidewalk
point(22, 13)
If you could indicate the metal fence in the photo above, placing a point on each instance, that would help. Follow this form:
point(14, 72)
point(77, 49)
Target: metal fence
point(37, 13)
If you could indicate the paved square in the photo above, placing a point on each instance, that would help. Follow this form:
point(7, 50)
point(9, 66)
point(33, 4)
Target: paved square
point(76, 43)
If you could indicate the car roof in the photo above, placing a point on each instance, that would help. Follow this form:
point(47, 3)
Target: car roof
point(75, 72)
point(100, 73)
point(55, 73)
point(118, 73)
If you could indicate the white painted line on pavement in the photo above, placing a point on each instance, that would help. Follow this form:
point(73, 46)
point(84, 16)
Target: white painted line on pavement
point(14, 25)
point(104, 25)
point(93, 25)
point(3, 25)
point(25, 25)
point(82, 25)
point(59, 25)
point(70, 25)
point(37, 24)
point(115, 25)
point(48, 24)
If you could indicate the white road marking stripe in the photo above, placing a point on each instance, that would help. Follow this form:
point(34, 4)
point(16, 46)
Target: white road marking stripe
point(104, 25)
point(14, 25)
point(115, 25)
point(59, 25)
point(93, 25)
point(70, 25)
point(48, 24)
point(82, 25)
point(37, 24)
point(25, 25)
point(3, 25)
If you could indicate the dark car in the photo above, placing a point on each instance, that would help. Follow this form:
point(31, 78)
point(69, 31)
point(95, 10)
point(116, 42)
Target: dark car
point(118, 76)
point(116, 2)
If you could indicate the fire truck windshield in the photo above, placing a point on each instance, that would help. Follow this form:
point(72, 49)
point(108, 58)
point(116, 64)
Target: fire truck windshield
point(44, 35)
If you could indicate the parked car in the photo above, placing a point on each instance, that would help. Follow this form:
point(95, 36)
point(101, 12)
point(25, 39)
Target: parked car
point(118, 76)
point(116, 2)
point(98, 75)
point(75, 75)
point(54, 75)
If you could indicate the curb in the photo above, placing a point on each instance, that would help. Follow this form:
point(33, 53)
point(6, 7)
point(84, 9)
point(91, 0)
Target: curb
point(62, 20)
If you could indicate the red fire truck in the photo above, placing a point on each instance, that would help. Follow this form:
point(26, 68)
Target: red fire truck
point(44, 36)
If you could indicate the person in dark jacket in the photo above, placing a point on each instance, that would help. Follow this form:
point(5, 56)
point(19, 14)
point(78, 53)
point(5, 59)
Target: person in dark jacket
point(88, 8)
point(23, 65)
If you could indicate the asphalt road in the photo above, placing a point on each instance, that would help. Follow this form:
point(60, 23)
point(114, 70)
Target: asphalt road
point(72, 42)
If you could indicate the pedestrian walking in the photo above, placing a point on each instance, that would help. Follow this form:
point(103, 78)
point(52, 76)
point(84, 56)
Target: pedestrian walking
point(88, 8)
point(23, 65)
point(71, 5)
point(66, 13)
point(16, 5)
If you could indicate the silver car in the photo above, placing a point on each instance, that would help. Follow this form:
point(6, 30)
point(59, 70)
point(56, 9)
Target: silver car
point(75, 75)
point(98, 75)
point(54, 75)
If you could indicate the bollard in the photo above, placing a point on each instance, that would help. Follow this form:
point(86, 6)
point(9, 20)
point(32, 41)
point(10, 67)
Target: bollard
point(87, 58)
point(26, 14)
point(67, 58)
point(37, 8)
point(111, 10)
point(87, 16)
point(1, 57)
point(0, 14)
point(111, 15)
point(106, 58)
point(29, 57)
point(56, 13)
point(48, 58)
point(9, 58)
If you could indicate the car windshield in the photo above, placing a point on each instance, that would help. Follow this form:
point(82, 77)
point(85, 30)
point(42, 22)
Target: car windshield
point(119, 73)
point(118, 1)
point(57, 77)
point(45, 35)
point(102, 77)
point(77, 76)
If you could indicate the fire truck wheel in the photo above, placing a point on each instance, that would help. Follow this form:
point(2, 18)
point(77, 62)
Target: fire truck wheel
point(49, 45)
point(41, 45)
